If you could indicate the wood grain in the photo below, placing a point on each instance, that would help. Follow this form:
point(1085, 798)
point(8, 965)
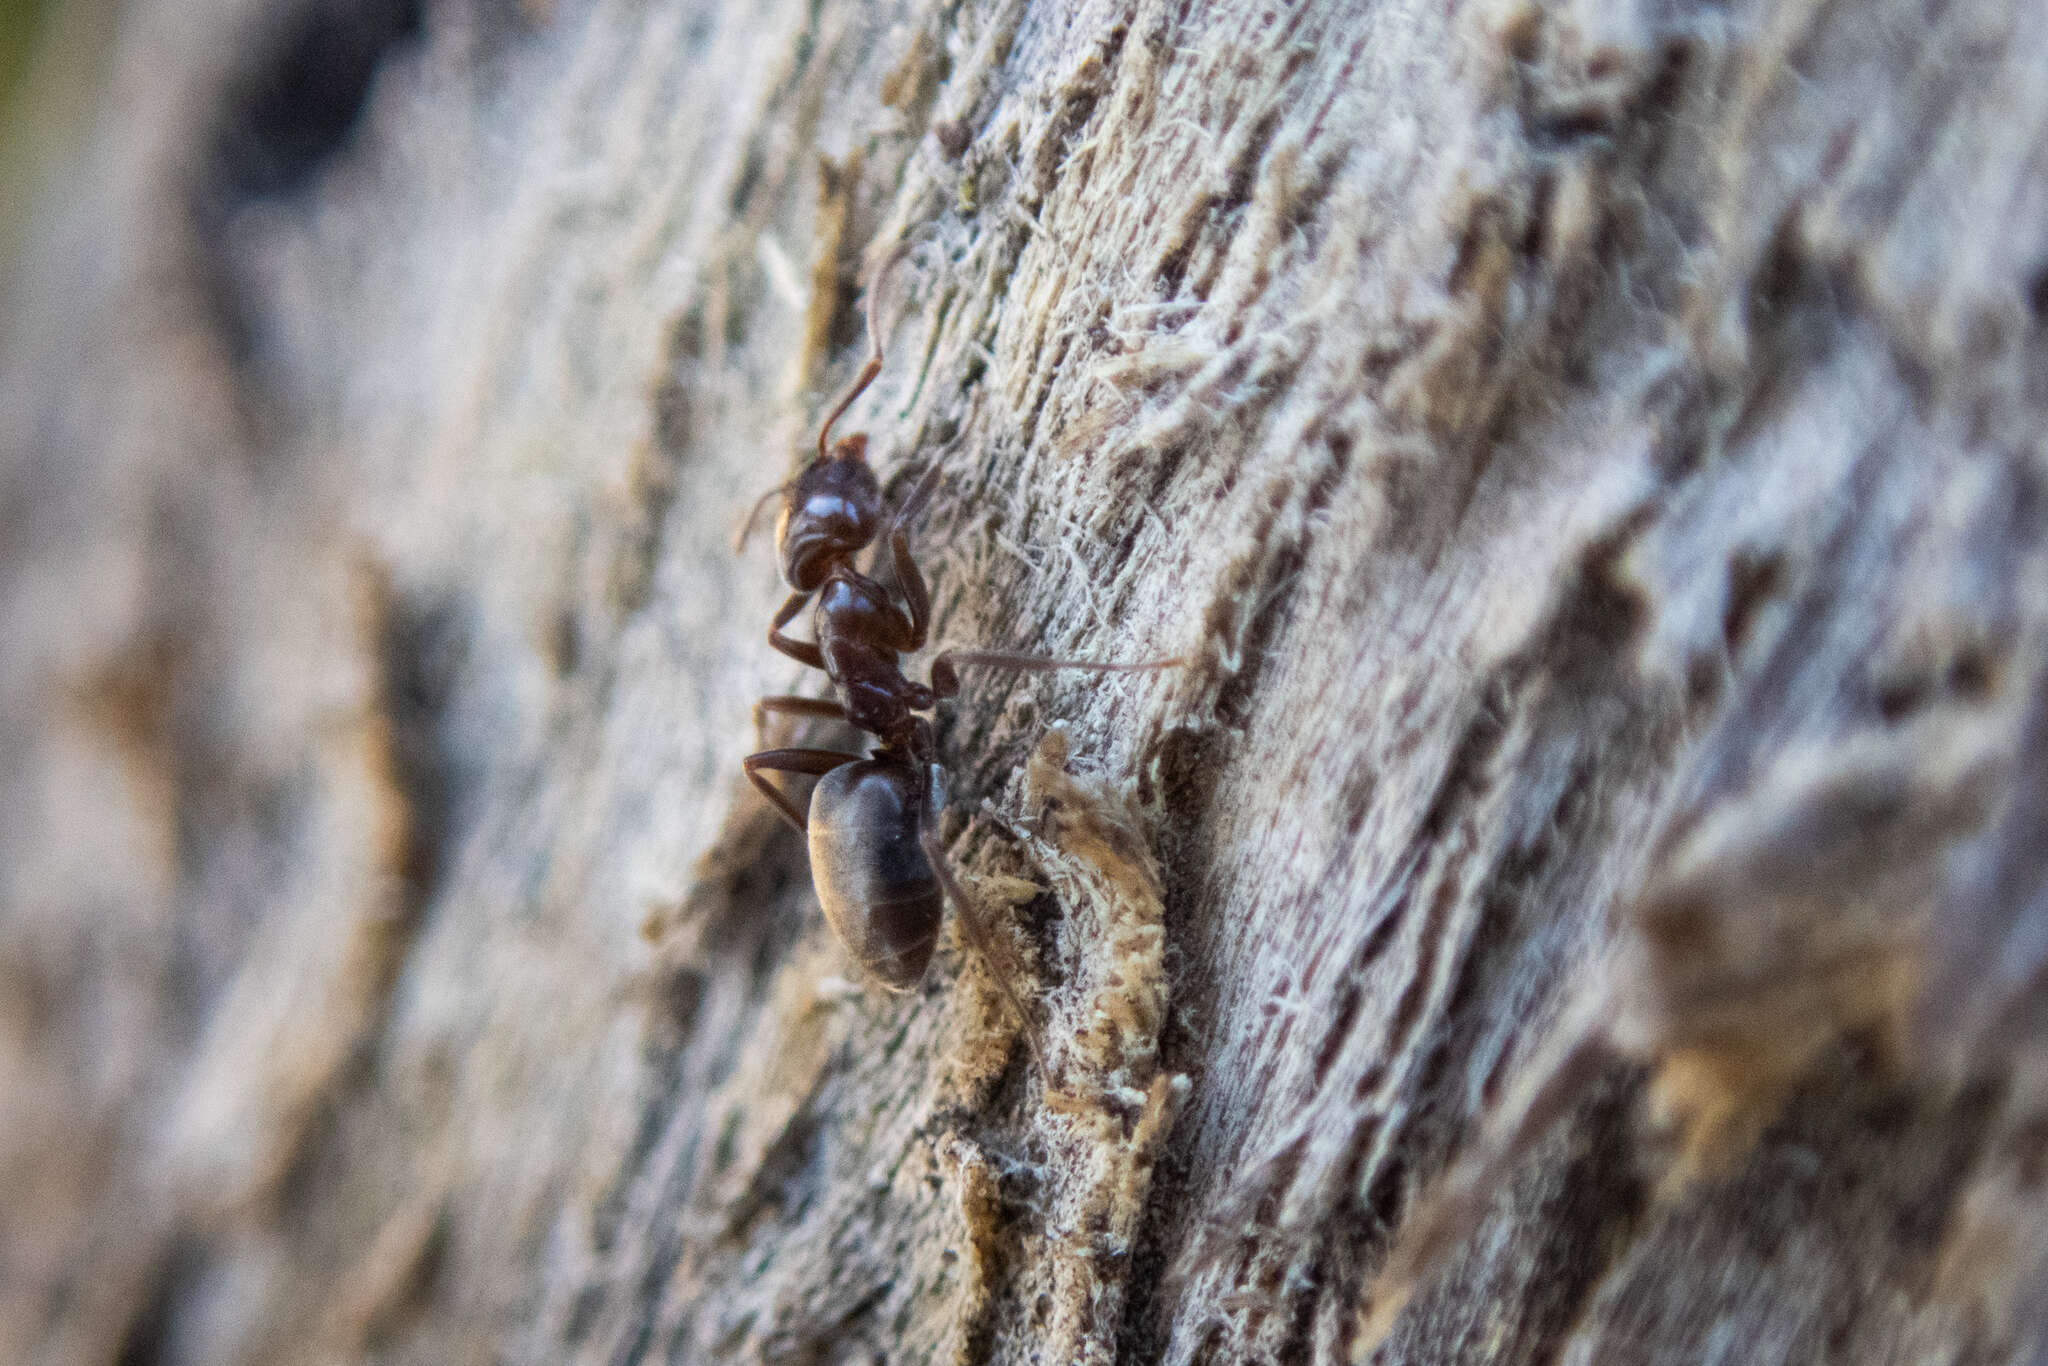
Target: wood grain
point(1581, 902)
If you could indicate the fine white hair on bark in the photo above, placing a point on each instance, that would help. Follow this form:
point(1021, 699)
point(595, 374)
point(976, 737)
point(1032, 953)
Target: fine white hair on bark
point(1580, 899)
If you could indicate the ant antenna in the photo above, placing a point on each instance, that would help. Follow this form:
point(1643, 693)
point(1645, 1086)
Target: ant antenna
point(868, 371)
point(746, 528)
point(881, 272)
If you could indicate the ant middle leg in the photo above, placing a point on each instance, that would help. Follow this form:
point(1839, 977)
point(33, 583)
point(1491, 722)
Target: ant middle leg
point(946, 665)
point(814, 762)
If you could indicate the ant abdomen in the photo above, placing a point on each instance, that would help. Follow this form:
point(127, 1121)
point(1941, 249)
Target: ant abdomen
point(873, 878)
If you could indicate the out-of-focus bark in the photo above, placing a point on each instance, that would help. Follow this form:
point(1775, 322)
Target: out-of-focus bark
point(1583, 899)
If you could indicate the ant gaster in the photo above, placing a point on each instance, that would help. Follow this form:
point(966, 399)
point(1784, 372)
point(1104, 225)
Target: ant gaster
point(881, 874)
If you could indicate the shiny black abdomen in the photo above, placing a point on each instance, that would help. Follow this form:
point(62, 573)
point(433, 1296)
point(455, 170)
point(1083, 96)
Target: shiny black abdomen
point(874, 882)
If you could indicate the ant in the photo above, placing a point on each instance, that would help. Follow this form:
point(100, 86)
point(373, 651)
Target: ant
point(877, 864)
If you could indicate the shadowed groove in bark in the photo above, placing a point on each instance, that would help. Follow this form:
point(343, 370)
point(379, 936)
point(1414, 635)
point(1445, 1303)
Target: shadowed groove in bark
point(1576, 476)
point(421, 651)
point(286, 114)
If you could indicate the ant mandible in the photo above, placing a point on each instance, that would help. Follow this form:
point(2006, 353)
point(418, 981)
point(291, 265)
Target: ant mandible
point(880, 872)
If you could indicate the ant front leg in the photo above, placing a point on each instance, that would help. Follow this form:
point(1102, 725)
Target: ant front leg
point(815, 762)
point(802, 651)
point(916, 623)
point(911, 581)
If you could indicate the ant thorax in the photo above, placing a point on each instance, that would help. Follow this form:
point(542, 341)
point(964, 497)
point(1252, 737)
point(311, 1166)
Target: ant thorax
point(859, 632)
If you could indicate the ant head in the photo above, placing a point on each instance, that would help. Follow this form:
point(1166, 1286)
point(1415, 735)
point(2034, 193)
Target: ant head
point(833, 510)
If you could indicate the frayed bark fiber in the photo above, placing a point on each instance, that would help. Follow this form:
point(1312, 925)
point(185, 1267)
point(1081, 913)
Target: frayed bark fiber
point(1582, 897)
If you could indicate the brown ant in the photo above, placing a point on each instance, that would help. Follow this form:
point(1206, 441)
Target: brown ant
point(880, 872)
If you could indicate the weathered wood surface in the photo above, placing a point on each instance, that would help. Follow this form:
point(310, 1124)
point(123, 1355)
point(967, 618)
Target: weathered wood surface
point(1582, 903)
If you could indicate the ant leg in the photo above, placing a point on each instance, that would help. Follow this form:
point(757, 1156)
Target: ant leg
point(999, 963)
point(946, 677)
point(911, 580)
point(789, 704)
point(816, 762)
point(802, 651)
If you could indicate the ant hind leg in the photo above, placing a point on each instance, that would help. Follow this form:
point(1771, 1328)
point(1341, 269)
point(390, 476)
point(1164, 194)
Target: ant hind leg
point(1001, 965)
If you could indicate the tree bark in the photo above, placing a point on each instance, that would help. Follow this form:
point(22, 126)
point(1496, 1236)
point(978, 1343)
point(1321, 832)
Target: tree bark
point(1582, 899)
